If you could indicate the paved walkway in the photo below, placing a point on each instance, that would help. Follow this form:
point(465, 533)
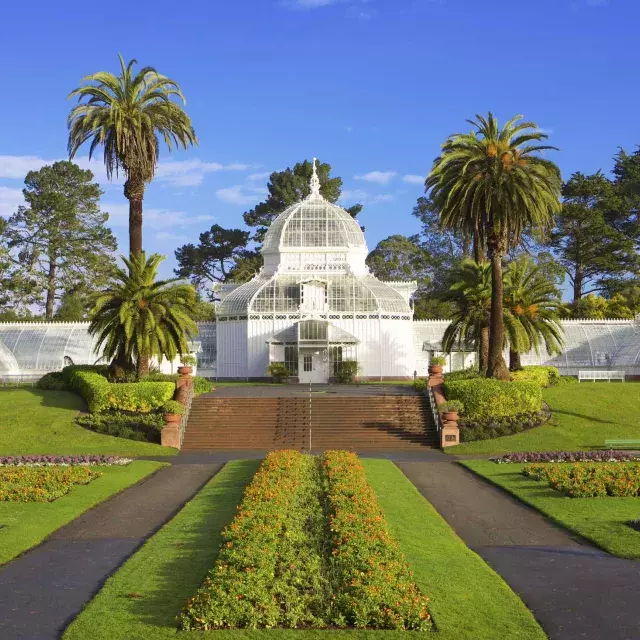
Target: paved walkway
point(575, 590)
point(306, 390)
point(43, 590)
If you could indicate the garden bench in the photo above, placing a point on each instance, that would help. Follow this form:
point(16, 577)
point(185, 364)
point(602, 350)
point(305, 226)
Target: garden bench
point(622, 444)
point(601, 375)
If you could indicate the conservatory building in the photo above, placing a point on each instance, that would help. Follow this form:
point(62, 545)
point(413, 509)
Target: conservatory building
point(315, 303)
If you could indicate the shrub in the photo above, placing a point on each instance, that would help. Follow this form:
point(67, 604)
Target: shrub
point(438, 361)
point(188, 360)
point(142, 427)
point(278, 370)
point(486, 398)
point(173, 407)
point(347, 371)
point(41, 484)
point(462, 374)
point(420, 384)
point(52, 382)
point(201, 385)
point(451, 405)
point(567, 380)
point(472, 430)
point(565, 456)
point(588, 480)
point(542, 376)
point(68, 372)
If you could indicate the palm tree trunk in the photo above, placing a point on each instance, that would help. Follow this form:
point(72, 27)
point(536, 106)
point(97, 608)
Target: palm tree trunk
point(134, 192)
point(142, 366)
point(497, 368)
point(483, 351)
point(479, 250)
point(51, 288)
point(514, 361)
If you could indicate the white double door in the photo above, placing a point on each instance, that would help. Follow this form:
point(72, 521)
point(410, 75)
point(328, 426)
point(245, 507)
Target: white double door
point(312, 367)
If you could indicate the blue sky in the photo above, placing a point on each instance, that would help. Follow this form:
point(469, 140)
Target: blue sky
point(371, 86)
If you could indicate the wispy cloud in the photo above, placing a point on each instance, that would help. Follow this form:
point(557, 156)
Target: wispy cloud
point(411, 178)
point(181, 173)
point(309, 4)
point(379, 177)
point(155, 218)
point(174, 238)
point(349, 196)
point(257, 177)
point(354, 10)
point(10, 200)
point(242, 194)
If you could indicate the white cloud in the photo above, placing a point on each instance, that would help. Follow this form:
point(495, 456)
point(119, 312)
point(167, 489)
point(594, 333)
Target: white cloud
point(152, 217)
point(175, 238)
point(241, 194)
point(310, 4)
point(257, 177)
point(413, 179)
point(379, 177)
point(348, 129)
point(10, 200)
point(181, 173)
point(349, 196)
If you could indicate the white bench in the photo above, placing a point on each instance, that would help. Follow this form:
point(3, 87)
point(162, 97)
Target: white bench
point(601, 375)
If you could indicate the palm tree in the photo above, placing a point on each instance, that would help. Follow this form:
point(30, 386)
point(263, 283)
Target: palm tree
point(532, 307)
point(493, 182)
point(127, 115)
point(471, 295)
point(139, 317)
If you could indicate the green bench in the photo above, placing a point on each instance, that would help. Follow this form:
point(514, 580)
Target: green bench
point(622, 444)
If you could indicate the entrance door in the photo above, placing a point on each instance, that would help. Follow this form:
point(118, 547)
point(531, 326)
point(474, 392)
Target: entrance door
point(312, 368)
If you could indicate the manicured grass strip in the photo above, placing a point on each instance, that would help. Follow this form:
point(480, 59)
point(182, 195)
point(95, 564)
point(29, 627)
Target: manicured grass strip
point(601, 520)
point(36, 421)
point(29, 523)
point(583, 417)
point(143, 599)
point(469, 601)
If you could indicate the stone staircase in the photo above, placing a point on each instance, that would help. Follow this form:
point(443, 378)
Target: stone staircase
point(317, 422)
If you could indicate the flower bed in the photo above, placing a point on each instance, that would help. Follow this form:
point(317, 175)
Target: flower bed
point(308, 549)
point(67, 461)
point(589, 480)
point(27, 484)
point(565, 456)
point(375, 587)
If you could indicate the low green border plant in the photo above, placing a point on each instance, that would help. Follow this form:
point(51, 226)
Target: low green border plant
point(173, 407)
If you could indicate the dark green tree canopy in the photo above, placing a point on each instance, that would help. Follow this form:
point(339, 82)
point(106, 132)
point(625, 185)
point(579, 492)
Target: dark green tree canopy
point(585, 239)
point(290, 186)
point(58, 241)
point(214, 257)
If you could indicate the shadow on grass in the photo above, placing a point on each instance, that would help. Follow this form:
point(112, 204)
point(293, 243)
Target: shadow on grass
point(185, 550)
point(583, 417)
point(57, 399)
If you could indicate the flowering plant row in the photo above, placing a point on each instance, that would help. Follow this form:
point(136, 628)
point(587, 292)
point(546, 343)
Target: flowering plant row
point(71, 461)
point(291, 558)
point(375, 588)
point(565, 456)
point(586, 480)
point(27, 484)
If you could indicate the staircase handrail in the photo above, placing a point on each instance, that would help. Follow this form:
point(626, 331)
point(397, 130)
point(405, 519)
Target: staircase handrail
point(434, 408)
point(187, 409)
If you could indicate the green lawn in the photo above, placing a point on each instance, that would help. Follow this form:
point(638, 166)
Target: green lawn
point(584, 416)
point(35, 421)
point(469, 600)
point(601, 520)
point(29, 523)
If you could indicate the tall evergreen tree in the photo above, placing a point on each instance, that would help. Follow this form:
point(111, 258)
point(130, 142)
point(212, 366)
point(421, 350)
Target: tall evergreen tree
point(58, 241)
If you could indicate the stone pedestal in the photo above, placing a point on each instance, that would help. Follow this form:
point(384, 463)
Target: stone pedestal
point(170, 435)
point(449, 435)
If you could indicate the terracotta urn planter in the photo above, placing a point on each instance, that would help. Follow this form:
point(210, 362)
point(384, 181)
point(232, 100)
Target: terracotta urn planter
point(450, 416)
point(185, 371)
point(435, 369)
point(172, 418)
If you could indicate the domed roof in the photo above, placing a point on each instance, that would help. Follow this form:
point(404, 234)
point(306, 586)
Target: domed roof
point(313, 223)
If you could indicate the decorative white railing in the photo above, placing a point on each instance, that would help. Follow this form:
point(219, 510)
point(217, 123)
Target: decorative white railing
point(434, 408)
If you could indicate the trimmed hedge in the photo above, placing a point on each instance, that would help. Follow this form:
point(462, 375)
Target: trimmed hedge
point(200, 385)
point(486, 399)
point(52, 382)
point(462, 374)
point(142, 427)
point(542, 376)
point(472, 430)
point(102, 395)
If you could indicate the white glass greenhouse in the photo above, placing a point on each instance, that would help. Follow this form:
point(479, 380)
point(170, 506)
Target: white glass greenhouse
point(313, 305)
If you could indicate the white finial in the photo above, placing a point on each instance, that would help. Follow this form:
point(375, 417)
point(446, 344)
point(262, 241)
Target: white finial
point(314, 184)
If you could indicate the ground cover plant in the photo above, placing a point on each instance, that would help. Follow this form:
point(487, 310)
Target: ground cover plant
point(284, 564)
point(603, 520)
point(566, 456)
point(28, 523)
point(42, 484)
point(34, 421)
point(583, 417)
point(142, 599)
point(46, 461)
point(588, 480)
